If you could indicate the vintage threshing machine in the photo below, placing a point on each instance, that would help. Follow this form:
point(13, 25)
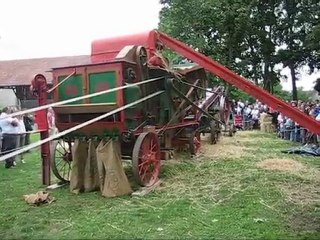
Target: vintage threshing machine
point(169, 108)
point(130, 93)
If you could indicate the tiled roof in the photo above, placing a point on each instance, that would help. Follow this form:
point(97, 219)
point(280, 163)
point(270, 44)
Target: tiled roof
point(21, 72)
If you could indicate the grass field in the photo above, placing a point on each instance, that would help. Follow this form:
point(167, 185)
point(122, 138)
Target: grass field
point(241, 188)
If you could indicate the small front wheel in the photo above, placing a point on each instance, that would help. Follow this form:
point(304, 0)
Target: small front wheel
point(61, 159)
point(146, 160)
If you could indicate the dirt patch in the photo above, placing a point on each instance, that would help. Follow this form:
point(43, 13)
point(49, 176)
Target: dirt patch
point(302, 194)
point(303, 222)
point(286, 165)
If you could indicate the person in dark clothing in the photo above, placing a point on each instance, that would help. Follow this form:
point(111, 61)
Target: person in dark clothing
point(28, 123)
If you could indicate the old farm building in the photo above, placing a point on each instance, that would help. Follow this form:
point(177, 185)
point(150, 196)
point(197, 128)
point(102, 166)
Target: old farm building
point(16, 75)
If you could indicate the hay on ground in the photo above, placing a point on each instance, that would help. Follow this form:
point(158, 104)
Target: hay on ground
point(286, 165)
point(227, 147)
point(302, 194)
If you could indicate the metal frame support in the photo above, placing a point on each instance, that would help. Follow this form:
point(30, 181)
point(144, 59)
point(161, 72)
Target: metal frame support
point(39, 88)
point(240, 82)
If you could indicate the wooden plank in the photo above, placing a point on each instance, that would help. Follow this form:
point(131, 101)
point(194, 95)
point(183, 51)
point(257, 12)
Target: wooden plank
point(85, 108)
point(145, 190)
point(56, 185)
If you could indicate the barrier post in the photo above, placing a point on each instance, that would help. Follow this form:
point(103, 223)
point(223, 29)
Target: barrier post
point(39, 89)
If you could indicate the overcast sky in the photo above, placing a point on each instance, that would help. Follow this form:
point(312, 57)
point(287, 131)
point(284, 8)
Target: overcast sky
point(49, 28)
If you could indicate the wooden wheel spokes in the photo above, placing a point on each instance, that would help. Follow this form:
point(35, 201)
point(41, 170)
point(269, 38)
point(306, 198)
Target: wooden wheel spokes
point(146, 159)
point(225, 110)
point(61, 158)
point(195, 143)
point(214, 132)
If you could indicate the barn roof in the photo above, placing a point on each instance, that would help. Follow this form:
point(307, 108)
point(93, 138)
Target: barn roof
point(21, 72)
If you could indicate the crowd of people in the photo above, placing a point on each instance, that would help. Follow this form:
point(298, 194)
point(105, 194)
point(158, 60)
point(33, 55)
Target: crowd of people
point(15, 133)
point(247, 116)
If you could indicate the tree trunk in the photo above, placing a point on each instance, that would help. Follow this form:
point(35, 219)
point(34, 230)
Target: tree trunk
point(266, 79)
point(294, 85)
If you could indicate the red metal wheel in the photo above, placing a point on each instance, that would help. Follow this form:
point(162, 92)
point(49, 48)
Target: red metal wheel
point(195, 143)
point(61, 158)
point(146, 159)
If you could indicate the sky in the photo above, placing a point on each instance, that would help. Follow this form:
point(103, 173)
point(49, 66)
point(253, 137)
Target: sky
point(51, 28)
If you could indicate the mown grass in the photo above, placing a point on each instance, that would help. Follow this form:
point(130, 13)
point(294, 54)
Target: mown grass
point(217, 196)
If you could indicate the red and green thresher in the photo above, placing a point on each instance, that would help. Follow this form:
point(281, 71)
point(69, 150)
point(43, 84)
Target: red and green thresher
point(159, 110)
point(130, 93)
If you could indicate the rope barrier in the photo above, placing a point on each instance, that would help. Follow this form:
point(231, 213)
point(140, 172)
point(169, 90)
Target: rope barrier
point(80, 98)
point(64, 80)
point(61, 134)
point(15, 149)
point(28, 132)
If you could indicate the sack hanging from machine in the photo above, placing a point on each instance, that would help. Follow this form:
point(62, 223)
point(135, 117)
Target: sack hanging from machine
point(80, 155)
point(91, 175)
point(113, 180)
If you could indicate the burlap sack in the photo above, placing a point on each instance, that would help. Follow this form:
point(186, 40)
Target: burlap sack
point(91, 175)
point(80, 155)
point(38, 198)
point(113, 180)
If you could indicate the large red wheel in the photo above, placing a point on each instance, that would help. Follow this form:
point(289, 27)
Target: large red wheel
point(61, 158)
point(146, 159)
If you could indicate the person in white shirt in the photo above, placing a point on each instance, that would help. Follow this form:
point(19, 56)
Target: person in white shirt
point(247, 117)
point(9, 127)
point(280, 120)
point(318, 119)
point(255, 116)
point(255, 113)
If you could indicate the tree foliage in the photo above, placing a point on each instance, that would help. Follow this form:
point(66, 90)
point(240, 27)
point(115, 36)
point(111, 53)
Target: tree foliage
point(249, 36)
point(297, 20)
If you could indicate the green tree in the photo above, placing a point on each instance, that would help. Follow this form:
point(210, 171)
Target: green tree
point(237, 33)
point(249, 36)
point(312, 44)
point(297, 21)
point(215, 28)
point(262, 41)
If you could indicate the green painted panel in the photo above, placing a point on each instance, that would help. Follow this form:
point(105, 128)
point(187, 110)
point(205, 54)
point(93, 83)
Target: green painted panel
point(70, 88)
point(102, 81)
point(132, 94)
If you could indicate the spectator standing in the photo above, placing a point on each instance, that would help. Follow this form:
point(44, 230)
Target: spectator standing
point(9, 127)
point(28, 123)
point(21, 135)
point(51, 122)
point(289, 129)
point(16, 132)
point(255, 115)
point(281, 128)
point(247, 117)
point(318, 119)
